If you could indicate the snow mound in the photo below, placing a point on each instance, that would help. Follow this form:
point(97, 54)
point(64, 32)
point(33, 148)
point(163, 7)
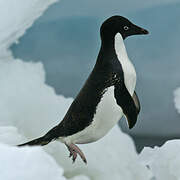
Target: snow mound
point(15, 18)
point(10, 135)
point(28, 163)
point(112, 157)
point(163, 161)
point(27, 100)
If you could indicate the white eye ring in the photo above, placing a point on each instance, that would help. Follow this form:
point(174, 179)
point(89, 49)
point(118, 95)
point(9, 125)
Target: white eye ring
point(126, 28)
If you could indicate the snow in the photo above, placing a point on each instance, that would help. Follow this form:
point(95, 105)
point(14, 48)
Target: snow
point(113, 156)
point(16, 17)
point(10, 135)
point(27, 100)
point(28, 163)
point(164, 162)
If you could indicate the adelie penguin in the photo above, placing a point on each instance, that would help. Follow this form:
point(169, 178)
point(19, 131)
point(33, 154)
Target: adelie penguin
point(106, 96)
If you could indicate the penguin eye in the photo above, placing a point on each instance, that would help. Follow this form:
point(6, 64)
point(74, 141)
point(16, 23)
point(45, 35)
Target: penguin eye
point(126, 28)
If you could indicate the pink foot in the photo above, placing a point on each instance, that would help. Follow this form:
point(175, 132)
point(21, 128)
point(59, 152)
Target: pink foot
point(74, 150)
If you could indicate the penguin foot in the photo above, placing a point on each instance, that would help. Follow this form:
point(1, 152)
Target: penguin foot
point(74, 150)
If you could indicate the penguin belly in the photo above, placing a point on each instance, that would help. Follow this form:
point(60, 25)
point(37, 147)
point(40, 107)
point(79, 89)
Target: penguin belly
point(107, 114)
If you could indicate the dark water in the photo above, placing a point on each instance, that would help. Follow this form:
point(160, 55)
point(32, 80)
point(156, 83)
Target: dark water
point(142, 142)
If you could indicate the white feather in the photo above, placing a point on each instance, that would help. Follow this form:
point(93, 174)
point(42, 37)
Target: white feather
point(128, 68)
point(108, 112)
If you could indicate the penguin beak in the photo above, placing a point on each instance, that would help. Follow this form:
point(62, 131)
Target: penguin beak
point(140, 30)
point(144, 31)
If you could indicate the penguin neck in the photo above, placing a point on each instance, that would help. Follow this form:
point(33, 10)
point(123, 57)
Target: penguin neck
point(112, 47)
point(107, 51)
point(108, 42)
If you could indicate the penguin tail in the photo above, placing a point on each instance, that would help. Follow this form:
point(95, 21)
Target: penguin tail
point(37, 142)
point(46, 139)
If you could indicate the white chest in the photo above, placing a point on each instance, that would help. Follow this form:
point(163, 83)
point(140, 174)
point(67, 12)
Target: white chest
point(127, 66)
point(107, 115)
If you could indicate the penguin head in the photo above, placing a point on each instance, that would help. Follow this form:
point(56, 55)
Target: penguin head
point(119, 24)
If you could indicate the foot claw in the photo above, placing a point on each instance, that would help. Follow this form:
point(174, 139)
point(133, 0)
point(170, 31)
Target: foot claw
point(85, 161)
point(74, 150)
point(74, 157)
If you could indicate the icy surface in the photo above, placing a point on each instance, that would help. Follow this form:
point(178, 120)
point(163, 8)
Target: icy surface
point(22, 96)
point(16, 17)
point(27, 100)
point(112, 157)
point(10, 135)
point(164, 162)
point(27, 164)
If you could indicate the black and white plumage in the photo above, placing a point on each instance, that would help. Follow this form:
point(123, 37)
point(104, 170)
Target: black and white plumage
point(107, 95)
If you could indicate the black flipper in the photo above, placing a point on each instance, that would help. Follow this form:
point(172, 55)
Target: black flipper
point(137, 102)
point(126, 102)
